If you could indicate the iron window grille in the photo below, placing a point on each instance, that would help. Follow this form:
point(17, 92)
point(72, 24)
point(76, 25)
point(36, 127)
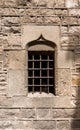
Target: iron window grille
point(41, 73)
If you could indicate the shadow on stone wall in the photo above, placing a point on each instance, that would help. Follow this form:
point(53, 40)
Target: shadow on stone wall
point(74, 46)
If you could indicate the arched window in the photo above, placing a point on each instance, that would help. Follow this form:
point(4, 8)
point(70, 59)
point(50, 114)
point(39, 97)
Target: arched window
point(41, 66)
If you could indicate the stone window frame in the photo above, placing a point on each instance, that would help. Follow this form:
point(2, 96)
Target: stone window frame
point(46, 45)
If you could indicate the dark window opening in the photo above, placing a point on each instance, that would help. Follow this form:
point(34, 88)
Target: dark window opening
point(41, 76)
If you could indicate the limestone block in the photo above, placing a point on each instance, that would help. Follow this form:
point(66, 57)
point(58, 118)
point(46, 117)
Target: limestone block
point(63, 113)
point(19, 114)
point(60, 12)
point(64, 82)
point(69, 42)
point(11, 30)
point(16, 83)
point(9, 114)
point(17, 59)
point(16, 44)
point(39, 12)
point(43, 113)
point(59, 3)
point(27, 114)
point(5, 60)
point(64, 59)
point(53, 19)
point(3, 77)
point(23, 125)
point(64, 31)
point(21, 2)
point(8, 21)
point(1, 2)
point(8, 125)
point(10, 3)
point(69, 20)
point(44, 102)
point(1, 56)
point(44, 124)
point(74, 92)
point(5, 102)
point(63, 125)
point(76, 80)
point(71, 3)
point(74, 12)
point(0, 65)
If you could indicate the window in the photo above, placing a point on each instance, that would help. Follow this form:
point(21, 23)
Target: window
point(41, 69)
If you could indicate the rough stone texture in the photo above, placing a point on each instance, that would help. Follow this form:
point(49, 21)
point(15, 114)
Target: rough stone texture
point(44, 124)
point(22, 21)
point(64, 82)
point(16, 88)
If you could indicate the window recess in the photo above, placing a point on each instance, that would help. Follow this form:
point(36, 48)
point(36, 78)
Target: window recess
point(41, 73)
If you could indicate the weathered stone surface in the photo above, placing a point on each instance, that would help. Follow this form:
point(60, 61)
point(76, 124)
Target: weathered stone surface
point(16, 44)
point(23, 125)
point(43, 102)
point(74, 12)
point(5, 102)
point(65, 59)
point(6, 30)
point(44, 124)
point(43, 113)
point(9, 21)
point(64, 82)
point(17, 59)
point(6, 125)
point(18, 114)
point(16, 83)
point(74, 92)
point(63, 125)
point(69, 20)
point(63, 113)
point(76, 80)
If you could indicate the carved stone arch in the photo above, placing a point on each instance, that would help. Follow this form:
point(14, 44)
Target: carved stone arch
point(41, 44)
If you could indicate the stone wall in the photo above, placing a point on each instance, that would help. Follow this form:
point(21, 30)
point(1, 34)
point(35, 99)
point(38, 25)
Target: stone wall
point(18, 111)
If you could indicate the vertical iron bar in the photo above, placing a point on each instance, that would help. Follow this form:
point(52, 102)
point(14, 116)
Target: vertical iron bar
point(33, 73)
point(40, 76)
point(48, 73)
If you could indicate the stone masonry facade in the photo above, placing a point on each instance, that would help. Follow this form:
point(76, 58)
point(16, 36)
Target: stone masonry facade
point(22, 21)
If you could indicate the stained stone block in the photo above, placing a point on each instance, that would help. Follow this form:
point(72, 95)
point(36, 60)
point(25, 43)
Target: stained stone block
point(5, 102)
point(7, 125)
point(65, 59)
point(64, 82)
point(23, 125)
point(27, 114)
point(74, 92)
point(64, 113)
point(74, 12)
point(44, 103)
point(16, 83)
point(75, 80)
point(63, 125)
point(10, 2)
point(19, 114)
point(17, 59)
point(8, 21)
point(44, 125)
point(43, 113)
